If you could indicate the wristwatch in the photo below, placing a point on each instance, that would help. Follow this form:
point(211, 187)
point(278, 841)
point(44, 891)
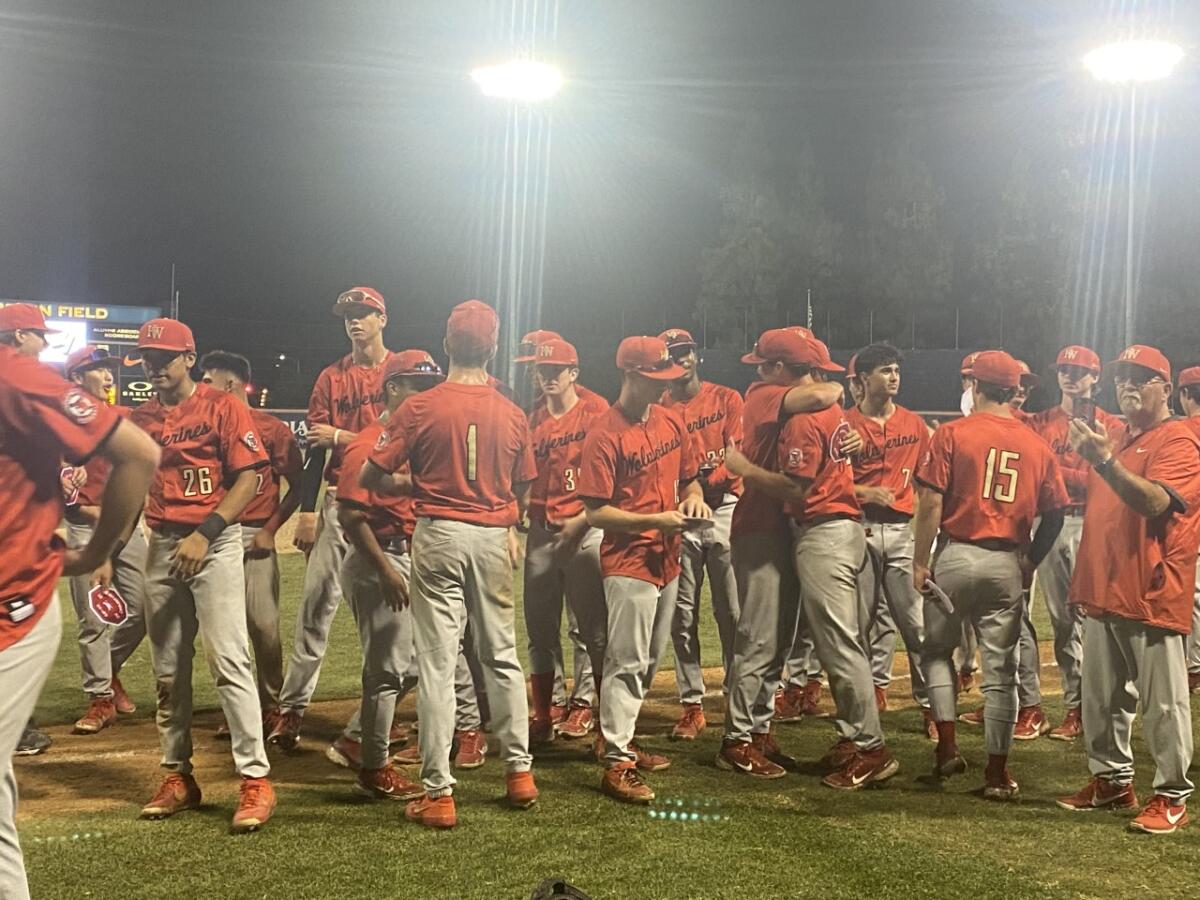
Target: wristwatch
point(1102, 467)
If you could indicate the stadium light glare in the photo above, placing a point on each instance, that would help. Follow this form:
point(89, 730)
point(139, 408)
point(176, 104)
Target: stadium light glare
point(520, 80)
point(1130, 62)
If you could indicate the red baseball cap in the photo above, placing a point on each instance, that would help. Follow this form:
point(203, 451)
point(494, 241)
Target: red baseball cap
point(1189, 376)
point(473, 328)
point(556, 352)
point(412, 362)
point(24, 316)
point(1143, 357)
point(358, 297)
point(648, 356)
point(1078, 355)
point(788, 345)
point(1028, 379)
point(530, 343)
point(166, 334)
point(968, 362)
point(821, 358)
point(996, 367)
point(677, 337)
point(90, 357)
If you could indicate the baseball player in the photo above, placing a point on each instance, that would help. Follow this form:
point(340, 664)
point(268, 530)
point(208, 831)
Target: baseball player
point(713, 415)
point(768, 589)
point(967, 653)
point(894, 441)
point(1078, 370)
point(43, 420)
point(375, 580)
point(983, 481)
point(1189, 402)
point(346, 398)
point(261, 519)
point(1134, 578)
point(638, 484)
point(562, 552)
point(211, 457)
point(103, 647)
point(471, 461)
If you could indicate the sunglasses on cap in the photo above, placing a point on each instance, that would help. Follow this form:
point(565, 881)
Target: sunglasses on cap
point(656, 367)
point(357, 298)
point(424, 368)
point(99, 355)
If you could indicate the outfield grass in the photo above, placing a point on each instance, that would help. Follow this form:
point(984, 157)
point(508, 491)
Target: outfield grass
point(790, 838)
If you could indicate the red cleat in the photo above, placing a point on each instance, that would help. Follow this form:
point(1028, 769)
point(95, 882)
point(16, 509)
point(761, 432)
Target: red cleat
point(1193, 683)
point(579, 723)
point(789, 704)
point(1099, 793)
point(812, 700)
point(433, 813)
point(388, 784)
point(521, 791)
point(472, 749)
point(121, 700)
point(409, 756)
point(176, 794)
point(1161, 816)
point(880, 698)
point(691, 723)
point(558, 713)
point(255, 806)
point(1003, 788)
point(1071, 727)
point(647, 761)
point(101, 713)
point(286, 733)
point(766, 744)
point(345, 753)
point(974, 717)
point(839, 755)
point(744, 757)
point(864, 768)
point(541, 731)
point(625, 783)
point(1031, 724)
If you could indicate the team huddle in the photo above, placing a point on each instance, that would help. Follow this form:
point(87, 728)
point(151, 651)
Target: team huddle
point(823, 530)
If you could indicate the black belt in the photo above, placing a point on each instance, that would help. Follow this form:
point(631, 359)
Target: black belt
point(397, 544)
point(994, 544)
point(881, 515)
point(832, 517)
point(173, 529)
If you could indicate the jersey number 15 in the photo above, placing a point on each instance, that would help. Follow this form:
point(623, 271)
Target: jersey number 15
point(1000, 478)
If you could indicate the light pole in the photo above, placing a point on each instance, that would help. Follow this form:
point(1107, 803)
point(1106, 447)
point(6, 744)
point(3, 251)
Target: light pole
point(1129, 63)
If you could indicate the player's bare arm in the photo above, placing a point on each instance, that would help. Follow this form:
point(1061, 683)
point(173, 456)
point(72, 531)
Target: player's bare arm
point(328, 437)
point(134, 457)
point(925, 527)
point(782, 487)
point(1147, 498)
point(264, 542)
point(691, 502)
point(358, 531)
point(603, 515)
point(811, 397)
point(189, 555)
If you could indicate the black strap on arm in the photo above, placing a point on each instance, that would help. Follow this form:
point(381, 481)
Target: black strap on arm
point(1045, 536)
point(310, 480)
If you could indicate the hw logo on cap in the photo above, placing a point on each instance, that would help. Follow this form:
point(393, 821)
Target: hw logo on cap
point(154, 332)
point(545, 350)
point(1130, 354)
point(1070, 353)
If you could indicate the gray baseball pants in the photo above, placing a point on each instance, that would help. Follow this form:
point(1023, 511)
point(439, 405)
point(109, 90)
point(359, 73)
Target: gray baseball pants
point(985, 589)
point(104, 648)
point(802, 665)
point(213, 604)
point(461, 573)
point(1193, 642)
point(889, 602)
point(769, 597)
point(1029, 662)
point(1125, 663)
point(322, 593)
point(639, 627)
point(262, 619)
point(548, 576)
point(827, 557)
point(705, 549)
point(1066, 620)
point(23, 670)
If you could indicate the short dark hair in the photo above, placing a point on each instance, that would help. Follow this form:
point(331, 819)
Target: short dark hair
point(798, 370)
point(1191, 391)
point(227, 362)
point(995, 392)
point(872, 356)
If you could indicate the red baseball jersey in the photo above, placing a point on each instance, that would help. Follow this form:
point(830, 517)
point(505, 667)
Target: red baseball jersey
point(810, 448)
point(346, 396)
point(557, 450)
point(890, 455)
point(1053, 425)
point(638, 467)
point(1138, 568)
point(995, 476)
point(714, 419)
point(43, 420)
point(467, 445)
point(539, 405)
point(206, 441)
point(757, 512)
point(97, 469)
point(387, 516)
point(284, 455)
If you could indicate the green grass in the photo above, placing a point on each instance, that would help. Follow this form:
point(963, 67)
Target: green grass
point(790, 838)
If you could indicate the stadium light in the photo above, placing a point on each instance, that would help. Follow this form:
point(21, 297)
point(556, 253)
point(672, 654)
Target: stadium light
point(1131, 62)
point(520, 80)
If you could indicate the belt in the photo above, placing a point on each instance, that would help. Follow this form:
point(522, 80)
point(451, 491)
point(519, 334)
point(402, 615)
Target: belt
point(995, 544)
point(545, 524)
point(832, 517)
point(1074, 510)
point(881, 515)
point(173, 529)
point(397, 544)
point(257, 523)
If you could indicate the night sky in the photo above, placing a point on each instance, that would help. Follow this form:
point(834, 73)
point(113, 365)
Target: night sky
point(279, 152)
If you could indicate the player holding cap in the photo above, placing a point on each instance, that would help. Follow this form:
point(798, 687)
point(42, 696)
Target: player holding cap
point(713, 415)
point(894, 442)
point(638, 484)
point(768, 589)
point(43, 420)
point(471, 462)
point(562, 553)
point(1134, 578)
point(1189, 402)
point(103, 648)
point(1078, 371)
point(375, 578)
point(345, 399)
point(211, 454)
point(983, 481)
point(261, 519)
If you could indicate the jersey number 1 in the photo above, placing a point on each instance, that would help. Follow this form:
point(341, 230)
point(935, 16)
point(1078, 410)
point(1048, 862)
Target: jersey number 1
point(1000, 478)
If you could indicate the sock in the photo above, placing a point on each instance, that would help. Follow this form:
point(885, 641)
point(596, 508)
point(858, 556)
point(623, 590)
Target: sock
point(947, 744)
point(997, 765)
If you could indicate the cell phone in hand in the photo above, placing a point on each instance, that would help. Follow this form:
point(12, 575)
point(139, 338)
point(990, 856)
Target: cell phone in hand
point(1085, 408)
point(698, 522)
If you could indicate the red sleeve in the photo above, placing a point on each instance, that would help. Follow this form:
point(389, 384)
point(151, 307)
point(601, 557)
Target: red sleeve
point(41, 408)
point(1174, 466)
point(348, 488)
point(598, 474)
point(241, 447)
point(524, 467)
point(390, 450)
point(734, 405)
point(1053, 494)
point(934, 470)
point(320, 404)
point(801, 447)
